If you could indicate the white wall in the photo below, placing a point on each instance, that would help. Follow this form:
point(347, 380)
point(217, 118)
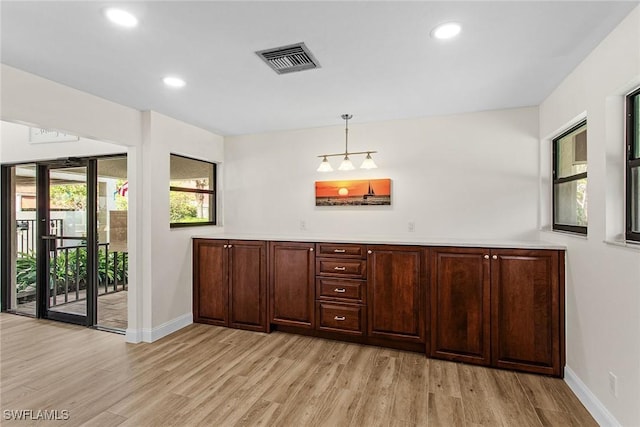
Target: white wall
point(30, 99)
point(167, 252)
point(603, 279)
point(15, 146)
point(469, 176)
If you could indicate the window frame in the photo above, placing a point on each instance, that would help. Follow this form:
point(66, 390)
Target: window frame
point(577, 229)
point(631, 163)
point(212, 207)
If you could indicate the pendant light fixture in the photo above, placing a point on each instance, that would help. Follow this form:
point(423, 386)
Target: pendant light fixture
point(325, 166)
point(346, 164)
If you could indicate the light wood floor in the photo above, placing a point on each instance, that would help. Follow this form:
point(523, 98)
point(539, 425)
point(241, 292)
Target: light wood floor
point(213, 376)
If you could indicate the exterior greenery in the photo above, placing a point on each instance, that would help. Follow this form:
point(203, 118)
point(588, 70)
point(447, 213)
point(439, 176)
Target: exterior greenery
point(68, 197)
point(192, 199)
point(182, 209)
point(70, 267)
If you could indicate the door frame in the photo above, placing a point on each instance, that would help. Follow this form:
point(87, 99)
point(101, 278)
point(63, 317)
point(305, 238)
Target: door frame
point(42, 230)
point(5, 232)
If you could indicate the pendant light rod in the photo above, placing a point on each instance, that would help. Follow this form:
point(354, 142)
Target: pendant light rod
point(346, 118)
point(347, 153)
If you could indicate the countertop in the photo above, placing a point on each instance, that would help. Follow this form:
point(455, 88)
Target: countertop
point(379, 240)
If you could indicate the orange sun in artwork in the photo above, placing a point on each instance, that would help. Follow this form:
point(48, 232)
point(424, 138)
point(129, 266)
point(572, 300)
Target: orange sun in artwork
point(343, 191)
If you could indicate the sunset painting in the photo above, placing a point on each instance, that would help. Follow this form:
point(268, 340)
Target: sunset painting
point(353, 193)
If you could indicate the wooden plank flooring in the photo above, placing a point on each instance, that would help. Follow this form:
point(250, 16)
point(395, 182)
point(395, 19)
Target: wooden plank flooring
point(211, 376)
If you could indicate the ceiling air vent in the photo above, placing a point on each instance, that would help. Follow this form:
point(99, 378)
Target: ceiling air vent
point(287, 59)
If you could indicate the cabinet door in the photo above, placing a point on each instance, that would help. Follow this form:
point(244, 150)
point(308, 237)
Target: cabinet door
point(460, 316)
point(291, 284)
point(210, 291)
point(525, 310)
point(396, 292)
point(248, 285)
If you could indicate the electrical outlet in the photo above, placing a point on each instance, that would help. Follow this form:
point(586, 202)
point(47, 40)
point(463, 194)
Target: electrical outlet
point(303, 225)
point(411, 226)
point(613, 384)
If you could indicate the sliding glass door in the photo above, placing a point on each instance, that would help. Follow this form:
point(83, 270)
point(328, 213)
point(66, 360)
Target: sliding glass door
point(19, 239)
point(113, 258)
point(64, 240)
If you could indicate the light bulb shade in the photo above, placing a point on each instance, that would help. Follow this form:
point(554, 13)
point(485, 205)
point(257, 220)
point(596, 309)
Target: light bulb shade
point(346, 165)
point(325, 166)
point(368, 163)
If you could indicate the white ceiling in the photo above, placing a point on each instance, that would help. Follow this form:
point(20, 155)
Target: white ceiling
point(377, 59)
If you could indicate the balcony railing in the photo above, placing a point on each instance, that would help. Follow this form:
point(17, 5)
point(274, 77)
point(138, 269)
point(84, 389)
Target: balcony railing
point(68, 273)
point(68, 267)
point(26, 228)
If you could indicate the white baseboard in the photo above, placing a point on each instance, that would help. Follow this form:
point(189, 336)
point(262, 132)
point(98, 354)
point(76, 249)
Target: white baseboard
point(589, 400)
point(135, 336)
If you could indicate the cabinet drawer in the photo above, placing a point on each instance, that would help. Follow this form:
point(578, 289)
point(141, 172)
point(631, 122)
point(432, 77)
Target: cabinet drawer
point(341, 250)
point(354, 290)
point(356, 269)
point(340, 318)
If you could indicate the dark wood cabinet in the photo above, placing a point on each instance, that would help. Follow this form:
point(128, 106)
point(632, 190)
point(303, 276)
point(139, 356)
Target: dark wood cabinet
point(527, 310)
point(495, 307)
point(499, 307)
point(460, 301)
point(210, 289)
point(230, 278)
point(345, 290)
point(347, 268)
point(342, 250)
point(247, 285)
point(396, 283)
point(341, 272)
point(341, 318)
point(291, 284)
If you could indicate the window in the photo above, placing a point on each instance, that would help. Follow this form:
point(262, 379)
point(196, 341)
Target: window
point(192, 193)
point(570, 180)
point(633, 166)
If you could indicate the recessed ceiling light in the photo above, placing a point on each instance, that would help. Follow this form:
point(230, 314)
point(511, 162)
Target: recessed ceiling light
point(446, 31)
point(172, 81)
point(121, 17)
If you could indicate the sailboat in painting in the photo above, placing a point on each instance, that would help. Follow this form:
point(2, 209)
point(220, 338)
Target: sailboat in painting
point(370, 192)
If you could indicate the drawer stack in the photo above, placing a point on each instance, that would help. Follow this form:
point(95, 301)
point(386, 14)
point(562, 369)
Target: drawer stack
point(341, 288)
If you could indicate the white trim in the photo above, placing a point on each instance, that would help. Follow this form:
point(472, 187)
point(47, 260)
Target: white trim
point(627, 244)
point(589, 400)
point(135, 336)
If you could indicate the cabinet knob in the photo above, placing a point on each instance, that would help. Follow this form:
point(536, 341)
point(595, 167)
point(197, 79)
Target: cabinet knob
point(230, 246)
point(369, 252)
point(495, 257)
point(486, 257)
point(310, 249)
point(339, 318)
point(225, 246)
